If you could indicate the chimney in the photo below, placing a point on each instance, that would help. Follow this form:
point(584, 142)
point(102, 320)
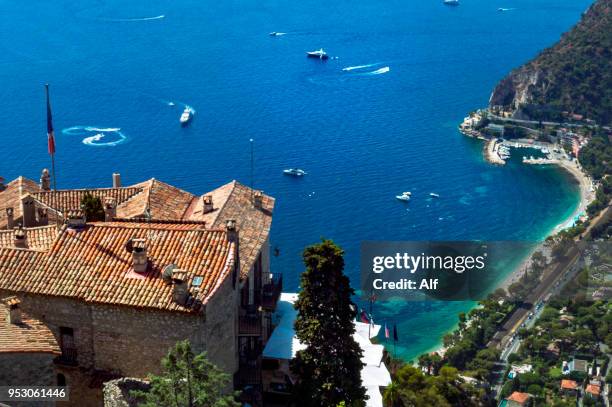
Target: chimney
point(116, 180)
point(180, 290)
point(19, 238)
point(45, 180)
point(10, 220)
point(14, 316)
point(207, 204)
point(75, 219)
point(232, 232)
point(139, 255)
point(43, 216)
point(258, 199)
point(29, 211)
point(110, 209)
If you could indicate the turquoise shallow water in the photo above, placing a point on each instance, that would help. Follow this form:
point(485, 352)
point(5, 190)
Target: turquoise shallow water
point(364, 135)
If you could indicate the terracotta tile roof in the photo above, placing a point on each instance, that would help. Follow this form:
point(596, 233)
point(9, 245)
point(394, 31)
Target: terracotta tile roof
point(233, 201)
point(70, 199)
point(93, 265)
point(568, 384)
point(519, 397)
point(165, 201)
point(38, 238)
point(11, 197)
point(31, 336)
point(593, 389)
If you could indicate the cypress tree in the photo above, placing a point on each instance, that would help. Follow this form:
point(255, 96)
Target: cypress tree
point(329, 368)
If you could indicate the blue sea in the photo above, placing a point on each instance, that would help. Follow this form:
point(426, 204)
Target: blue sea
point(121, 73)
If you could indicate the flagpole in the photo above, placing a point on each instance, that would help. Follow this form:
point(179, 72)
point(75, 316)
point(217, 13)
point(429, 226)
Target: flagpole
point(51, 137)
point(252, 170)
point(53, 171)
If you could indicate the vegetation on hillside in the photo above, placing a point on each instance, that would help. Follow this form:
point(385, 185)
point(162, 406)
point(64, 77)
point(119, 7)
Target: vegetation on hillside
point(596, 157)
point(574, 75)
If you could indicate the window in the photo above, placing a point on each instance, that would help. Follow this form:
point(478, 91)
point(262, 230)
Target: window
point(61, 380)
point(67, 345)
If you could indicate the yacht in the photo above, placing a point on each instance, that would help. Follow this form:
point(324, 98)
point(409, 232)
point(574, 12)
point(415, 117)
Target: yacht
point(296, 172)
point(186, 116)
point(434, 195)
point(317, 54)
point(405, 196)
point(276, 34)
point(451, 2)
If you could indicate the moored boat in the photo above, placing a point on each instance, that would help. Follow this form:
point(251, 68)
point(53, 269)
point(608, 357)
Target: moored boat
point(296, 172)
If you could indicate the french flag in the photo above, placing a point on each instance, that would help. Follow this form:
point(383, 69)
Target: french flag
point(50, 133)
point(386, 331)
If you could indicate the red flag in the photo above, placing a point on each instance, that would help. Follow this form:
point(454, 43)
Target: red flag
point(364, 317)
point(50, 133)
point(386, 331)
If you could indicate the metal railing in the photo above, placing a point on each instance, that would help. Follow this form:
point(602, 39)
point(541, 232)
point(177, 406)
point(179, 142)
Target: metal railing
point(250, 323)
point(68, 357)
point(272, 291)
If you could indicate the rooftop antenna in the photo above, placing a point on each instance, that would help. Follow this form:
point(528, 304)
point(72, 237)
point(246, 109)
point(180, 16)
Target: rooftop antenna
point(252, 171)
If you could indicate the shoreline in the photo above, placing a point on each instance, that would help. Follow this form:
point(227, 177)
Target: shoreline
point(586, 197)
point(587, 194)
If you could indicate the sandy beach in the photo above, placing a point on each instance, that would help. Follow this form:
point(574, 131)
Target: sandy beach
point(587, 194)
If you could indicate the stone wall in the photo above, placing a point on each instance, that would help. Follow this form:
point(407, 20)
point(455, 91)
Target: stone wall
point(129, 341)
point(57, 312)
point(117, 392)
point(27, 369)
point(132, 342)
point(221, 328)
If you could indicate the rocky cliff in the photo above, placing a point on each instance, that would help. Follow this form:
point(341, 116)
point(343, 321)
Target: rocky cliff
point(574, 75)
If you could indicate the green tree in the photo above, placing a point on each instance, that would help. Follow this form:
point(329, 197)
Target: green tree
point(92, 206)
point(329, 368)
point(187, 380)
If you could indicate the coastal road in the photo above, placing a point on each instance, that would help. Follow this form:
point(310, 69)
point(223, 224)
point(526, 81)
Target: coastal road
point(551, 280)
point(509, 119)
point(553, 277)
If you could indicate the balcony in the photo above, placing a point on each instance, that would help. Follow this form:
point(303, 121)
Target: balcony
point(250, 323)
point(67, 358)
point(272, 291)
point(249, 373)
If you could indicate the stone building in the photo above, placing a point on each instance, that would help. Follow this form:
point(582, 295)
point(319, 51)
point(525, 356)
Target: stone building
point(27, 349)
point(164, 265)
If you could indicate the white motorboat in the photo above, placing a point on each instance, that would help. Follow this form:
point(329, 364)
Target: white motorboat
point(405, 196)
point(317, 54)
point(186, 116)
point(296, 172)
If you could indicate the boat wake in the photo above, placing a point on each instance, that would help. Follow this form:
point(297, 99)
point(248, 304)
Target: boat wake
point(358, 67)
point(129, 20)
point(380, 71)
point(97, 136)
